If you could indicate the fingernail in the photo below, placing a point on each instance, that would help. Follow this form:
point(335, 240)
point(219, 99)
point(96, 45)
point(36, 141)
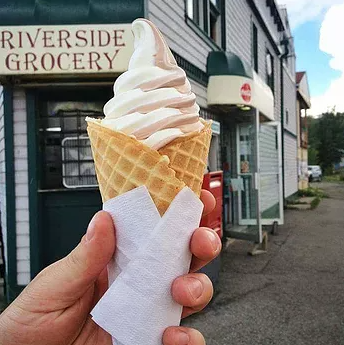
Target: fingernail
point(214, 239)
point(182, 338)
point(195, 287)
point(90, 230)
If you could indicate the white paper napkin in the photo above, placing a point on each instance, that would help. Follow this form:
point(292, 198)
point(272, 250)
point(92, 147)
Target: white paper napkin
point(152, 252)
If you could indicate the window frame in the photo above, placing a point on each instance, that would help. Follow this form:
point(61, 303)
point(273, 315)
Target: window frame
point(56, 95)
point(254, 47)
point(270, 79)
point(205, 9)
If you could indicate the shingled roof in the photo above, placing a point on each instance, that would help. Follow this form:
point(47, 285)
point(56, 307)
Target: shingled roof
point(299, 76)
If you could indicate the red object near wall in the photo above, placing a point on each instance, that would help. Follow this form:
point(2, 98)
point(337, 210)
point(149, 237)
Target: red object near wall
point(213, 182)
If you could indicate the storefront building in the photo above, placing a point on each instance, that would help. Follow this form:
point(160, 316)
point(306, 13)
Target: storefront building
point(57, 65)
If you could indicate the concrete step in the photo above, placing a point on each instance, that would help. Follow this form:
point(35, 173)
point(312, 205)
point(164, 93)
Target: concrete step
point(300, 207)
point(307, 200)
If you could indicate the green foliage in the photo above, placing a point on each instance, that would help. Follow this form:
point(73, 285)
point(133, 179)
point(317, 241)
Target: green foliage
point(315, 202)
point(334, 178)
point(310, 192)
point(312, 156)
point(326, 140)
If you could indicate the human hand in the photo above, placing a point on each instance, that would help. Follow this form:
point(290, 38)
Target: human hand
point(54, 308)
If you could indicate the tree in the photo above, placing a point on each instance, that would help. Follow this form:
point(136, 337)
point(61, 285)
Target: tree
point(313, 140)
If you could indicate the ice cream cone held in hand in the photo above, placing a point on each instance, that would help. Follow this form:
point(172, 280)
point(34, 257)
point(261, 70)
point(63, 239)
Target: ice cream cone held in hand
point(151, 134)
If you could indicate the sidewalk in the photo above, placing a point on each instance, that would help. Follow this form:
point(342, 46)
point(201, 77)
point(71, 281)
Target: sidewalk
point(292, 295)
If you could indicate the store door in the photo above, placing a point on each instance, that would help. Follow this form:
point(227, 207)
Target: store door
point(68, 195)
point(245, 186)
point(270, 157)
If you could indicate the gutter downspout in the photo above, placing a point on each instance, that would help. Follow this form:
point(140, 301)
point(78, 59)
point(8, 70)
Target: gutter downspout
point(283, 57)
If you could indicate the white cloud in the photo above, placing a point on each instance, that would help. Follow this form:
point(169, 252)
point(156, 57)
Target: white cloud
point(302, 11)
point(331, 32)
point(331, 13)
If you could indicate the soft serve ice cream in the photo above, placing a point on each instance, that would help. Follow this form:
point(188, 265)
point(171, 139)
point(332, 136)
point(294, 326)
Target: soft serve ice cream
point(152, 100)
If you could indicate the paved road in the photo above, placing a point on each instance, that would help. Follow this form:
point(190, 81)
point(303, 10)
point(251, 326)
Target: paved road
point(292, 295)
point(335, 190)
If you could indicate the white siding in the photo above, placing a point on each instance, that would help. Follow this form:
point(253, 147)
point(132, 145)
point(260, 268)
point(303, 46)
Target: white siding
point(290, 103)
point(303, 87)
point(268, 18)
point(3, 173)
point(238, 29)
point(169, 16)
point(290, 164)
point(239, 40)
point(21, 187)
point(201, 93)
point(269, 169)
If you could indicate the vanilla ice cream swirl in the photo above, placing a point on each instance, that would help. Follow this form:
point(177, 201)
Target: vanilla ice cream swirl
point(153, 99)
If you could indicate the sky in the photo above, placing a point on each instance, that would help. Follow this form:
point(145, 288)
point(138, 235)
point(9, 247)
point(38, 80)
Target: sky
point(318, 31)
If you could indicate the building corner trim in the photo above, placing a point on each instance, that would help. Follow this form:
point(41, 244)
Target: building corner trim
point(32, 177)
point(11, 273)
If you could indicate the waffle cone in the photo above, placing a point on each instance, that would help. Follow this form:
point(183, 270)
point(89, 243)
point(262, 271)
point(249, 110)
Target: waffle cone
point(188, 157)
point(123, 163)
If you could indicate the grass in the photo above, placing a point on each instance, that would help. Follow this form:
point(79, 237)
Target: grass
point(312, 192)
point(316, 193)
point(334, 178)
point(315, 202)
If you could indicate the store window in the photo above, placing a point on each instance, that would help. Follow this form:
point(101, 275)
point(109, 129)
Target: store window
point(206, 16)
point(255, 47)
point(270, 80)
point(66, 156)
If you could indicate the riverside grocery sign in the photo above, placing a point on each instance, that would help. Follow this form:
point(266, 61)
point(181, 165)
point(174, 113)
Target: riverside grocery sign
point(65, 49)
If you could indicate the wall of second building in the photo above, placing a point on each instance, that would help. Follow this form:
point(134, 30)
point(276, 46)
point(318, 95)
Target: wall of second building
point(269, 168)
point(21, 186)
point(3, 173)
point(290, 134)
point(290, 164)
point(303, 168)
point(290, 122)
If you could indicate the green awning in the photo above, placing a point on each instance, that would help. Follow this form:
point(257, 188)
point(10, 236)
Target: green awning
point(227, 63)
point(59, 12)
point(233, 82)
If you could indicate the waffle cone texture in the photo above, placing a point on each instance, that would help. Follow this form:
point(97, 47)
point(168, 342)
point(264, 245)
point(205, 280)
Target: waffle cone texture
point(123, 163)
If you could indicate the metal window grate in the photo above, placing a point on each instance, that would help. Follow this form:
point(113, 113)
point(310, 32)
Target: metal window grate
point(65, 151)
point(77, 163)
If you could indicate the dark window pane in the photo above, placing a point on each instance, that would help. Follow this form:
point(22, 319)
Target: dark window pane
point(270, 80)
point(65, 149)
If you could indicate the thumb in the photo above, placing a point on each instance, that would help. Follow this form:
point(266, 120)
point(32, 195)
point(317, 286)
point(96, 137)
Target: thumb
point(70, 277)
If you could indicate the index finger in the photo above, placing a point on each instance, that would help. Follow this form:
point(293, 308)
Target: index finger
point(208, 200)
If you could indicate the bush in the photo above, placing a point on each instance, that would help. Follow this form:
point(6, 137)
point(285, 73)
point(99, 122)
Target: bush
point(328, 171)
point(315, 202)
point(312, 192)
